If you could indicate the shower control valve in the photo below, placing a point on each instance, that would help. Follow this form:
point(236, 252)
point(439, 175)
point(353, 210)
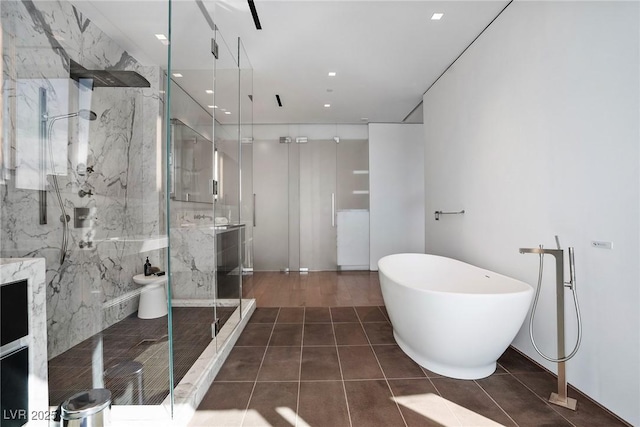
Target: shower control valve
point(83, 193)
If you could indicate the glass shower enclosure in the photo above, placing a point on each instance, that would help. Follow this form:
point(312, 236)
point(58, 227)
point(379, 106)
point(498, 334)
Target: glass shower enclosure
point(82, 188)
point(108, 160)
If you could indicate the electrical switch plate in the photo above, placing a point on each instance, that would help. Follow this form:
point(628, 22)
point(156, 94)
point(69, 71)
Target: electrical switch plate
point(601, 245)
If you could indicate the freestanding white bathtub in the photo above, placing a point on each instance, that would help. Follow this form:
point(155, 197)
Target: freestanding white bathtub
point(450, 317)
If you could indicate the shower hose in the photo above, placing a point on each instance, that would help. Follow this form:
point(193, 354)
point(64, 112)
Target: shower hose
point(64, 218)
point(533, 313)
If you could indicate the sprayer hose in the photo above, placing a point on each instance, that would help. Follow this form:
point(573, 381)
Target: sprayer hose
point(533, 313)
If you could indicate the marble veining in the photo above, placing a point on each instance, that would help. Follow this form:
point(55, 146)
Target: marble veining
point(193, 263)
point(121, 145)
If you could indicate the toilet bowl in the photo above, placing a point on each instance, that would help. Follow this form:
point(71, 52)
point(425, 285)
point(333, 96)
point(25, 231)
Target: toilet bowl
point(153, 296)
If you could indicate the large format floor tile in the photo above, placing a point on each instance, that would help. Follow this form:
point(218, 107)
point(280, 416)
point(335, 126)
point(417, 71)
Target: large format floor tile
point(136, 341)
point(331, 363)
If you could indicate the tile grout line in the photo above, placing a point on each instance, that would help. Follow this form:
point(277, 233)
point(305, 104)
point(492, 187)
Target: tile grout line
point(497, 404)
point(304, 315)
point(255, 382)
point(546, 402)
point(446, 403)
point(344, 386)
point(386, 380)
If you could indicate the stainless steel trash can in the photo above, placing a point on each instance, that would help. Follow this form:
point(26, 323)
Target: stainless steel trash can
point(91, 408)
point(125, 382)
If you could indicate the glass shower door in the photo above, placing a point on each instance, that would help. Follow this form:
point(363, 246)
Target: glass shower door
point(318, 205)
point(271, 205)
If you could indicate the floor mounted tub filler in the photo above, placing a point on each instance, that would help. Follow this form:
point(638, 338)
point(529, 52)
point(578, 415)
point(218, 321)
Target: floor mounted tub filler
point(452, 318)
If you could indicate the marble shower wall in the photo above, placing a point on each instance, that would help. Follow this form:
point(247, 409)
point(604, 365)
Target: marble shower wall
point(93, 288)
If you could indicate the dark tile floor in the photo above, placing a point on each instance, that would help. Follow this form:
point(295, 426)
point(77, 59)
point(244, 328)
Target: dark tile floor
point(141, 340)
point(340, 366)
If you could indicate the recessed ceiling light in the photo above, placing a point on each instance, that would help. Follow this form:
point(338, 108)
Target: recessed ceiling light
point(211, 106)
point(227, 112)
point(437, 16)
point(332, 73)
point(327, 105)
point(163, 39)
point(177, 75)
point(209, 91)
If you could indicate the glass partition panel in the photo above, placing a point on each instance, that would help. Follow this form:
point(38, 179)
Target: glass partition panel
point(192, 204)
point(228, 227)
point(83, 189)
point(246, 157)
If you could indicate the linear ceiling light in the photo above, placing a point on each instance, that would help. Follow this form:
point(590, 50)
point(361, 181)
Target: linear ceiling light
point(437, 16)
point(278, 100)
point(254, 13)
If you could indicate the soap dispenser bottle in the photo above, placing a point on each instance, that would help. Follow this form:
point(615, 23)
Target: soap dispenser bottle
point(147, 268)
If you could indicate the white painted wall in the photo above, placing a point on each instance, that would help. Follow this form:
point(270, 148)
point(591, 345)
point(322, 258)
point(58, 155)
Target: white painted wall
point(534, 131)
point(396, 189)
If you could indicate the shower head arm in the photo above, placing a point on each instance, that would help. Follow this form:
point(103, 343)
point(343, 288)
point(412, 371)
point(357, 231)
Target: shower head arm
point(83, 114)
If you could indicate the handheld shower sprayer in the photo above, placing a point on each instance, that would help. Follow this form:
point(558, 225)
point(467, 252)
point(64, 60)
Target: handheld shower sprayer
point(64, 218)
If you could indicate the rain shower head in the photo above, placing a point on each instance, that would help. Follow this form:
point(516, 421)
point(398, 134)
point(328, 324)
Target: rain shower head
point(107, 78)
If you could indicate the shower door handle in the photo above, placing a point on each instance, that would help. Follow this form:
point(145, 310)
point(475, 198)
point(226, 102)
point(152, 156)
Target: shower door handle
point(254, 209)
point(333, 209)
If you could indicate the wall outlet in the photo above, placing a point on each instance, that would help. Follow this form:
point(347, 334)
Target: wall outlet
point(601, 245)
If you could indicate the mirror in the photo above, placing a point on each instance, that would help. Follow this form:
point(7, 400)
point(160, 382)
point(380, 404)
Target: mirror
point(192, 164)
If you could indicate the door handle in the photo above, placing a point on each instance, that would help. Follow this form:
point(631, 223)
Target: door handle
point(333, 209)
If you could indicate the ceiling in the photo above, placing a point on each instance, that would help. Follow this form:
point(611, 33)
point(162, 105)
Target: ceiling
point(385, 53)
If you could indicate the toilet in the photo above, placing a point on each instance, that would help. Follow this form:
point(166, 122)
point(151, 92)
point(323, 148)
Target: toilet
point(153, 296)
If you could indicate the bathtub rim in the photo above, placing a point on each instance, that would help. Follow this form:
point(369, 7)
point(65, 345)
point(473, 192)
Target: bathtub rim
point(525, 287)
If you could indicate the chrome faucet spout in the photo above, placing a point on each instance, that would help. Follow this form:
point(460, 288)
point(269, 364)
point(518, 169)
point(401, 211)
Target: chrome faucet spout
point(530, 250)
point(555, 252)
